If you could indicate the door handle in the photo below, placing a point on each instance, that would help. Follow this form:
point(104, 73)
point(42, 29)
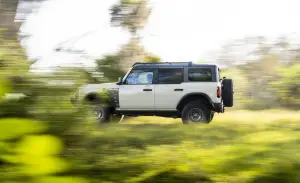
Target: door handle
point(147, 90)
point(178, 89)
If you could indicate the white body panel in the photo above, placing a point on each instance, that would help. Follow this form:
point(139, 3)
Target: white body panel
point(133, 97)
point(208, 88)
point(168, 99)
point(162, 97)
point(165, 96)
point(95, 88)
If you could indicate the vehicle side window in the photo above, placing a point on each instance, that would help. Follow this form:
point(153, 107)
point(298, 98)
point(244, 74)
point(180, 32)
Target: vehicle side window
point(140, 77)
point(200, 74)
point(170, 76)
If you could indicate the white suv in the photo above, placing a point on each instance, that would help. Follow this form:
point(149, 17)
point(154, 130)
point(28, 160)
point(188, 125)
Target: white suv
point(192, 92)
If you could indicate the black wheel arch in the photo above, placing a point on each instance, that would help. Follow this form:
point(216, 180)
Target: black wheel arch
point(91, 97)
point(97, 97)
point(192, 97)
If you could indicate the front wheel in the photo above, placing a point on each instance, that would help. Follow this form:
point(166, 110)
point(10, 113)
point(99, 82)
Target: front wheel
point(102, 114)
point(196, 112)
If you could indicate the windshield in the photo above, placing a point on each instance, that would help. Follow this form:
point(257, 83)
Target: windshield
point(124, 78)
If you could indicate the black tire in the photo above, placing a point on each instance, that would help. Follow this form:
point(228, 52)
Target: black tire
point(227, 92)
point(190, 112)
point(211, 116)
point(102, 113)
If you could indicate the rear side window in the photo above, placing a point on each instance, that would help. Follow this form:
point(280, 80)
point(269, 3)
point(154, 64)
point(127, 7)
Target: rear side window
point(170, 76)
point(200, 74)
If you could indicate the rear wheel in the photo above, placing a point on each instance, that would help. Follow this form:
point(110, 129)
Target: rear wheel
point(196, 112)
point(212, 116)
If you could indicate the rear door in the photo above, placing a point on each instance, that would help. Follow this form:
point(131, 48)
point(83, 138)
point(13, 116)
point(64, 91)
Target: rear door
point(169, 88)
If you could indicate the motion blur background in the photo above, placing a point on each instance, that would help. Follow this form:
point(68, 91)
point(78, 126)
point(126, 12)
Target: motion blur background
point(48, 48)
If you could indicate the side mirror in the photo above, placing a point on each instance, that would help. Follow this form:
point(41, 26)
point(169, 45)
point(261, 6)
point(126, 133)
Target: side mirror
point(119, 81)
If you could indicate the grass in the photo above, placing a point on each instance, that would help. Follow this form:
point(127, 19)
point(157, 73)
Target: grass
point(238, 146)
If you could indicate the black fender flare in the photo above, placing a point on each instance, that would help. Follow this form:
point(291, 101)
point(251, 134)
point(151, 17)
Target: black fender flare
point(200, 94)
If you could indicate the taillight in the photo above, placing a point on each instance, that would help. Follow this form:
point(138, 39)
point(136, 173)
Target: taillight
point(219, 92)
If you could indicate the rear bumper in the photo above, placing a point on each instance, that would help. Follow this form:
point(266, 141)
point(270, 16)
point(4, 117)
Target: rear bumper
point(218, 107)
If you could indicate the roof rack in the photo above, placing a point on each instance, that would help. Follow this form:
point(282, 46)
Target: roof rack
point(158, 63)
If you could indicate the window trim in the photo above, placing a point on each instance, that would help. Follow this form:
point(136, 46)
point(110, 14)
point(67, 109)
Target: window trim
point(212, 72)
point(170, 68)
point(143, 69)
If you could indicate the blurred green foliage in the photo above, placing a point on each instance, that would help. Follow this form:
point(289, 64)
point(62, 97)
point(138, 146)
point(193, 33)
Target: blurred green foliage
point(13, 127)
point(152, 58)
point(35, 112)
point(109, 66)
point(288, 86)
point(4, 87)
point(269, 80)
point(43, 139)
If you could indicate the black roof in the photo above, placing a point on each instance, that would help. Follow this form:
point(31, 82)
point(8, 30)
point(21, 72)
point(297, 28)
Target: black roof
point(170, 64)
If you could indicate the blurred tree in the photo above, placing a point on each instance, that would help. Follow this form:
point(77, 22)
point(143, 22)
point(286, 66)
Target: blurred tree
point(109, 66)
point(131, 15)
point(26, 153)
point(13, 13)
point(27, 94)
point(152, 58)
point(260, 64)
point(260, 74)
point(287, 86)
point(131, 53)
point(7, 15)
point(13, 76)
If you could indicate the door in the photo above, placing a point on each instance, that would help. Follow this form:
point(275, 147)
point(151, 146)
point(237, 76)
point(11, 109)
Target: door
point(137, 91)
point(169, 89)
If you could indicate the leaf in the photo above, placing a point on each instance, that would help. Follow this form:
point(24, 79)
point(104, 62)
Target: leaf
point(13, 127)
point(40, 146)
point(53, 179)
point(43, 165)
point(36, 154)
